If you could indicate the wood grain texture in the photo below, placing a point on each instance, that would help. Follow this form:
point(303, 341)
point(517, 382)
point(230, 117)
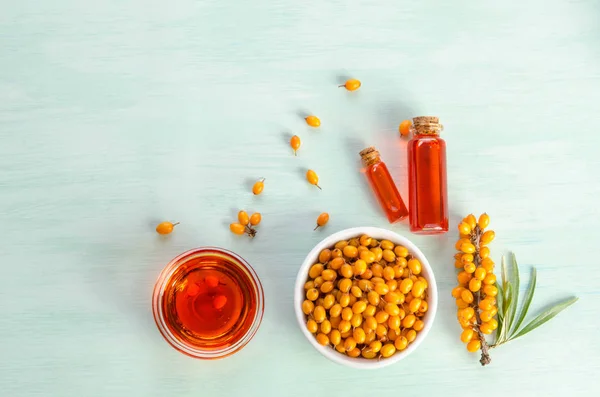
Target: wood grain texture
point(116, 114)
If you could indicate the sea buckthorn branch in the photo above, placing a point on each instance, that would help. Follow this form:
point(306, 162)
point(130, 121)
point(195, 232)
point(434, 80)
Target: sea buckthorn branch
point(477, 290)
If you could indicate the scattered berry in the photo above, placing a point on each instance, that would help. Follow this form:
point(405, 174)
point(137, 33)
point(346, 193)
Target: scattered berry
point(258, 187)
point(322, 221)
point(313, 121)
point(295, 143)
point(312, 178)
point(404, 127)
point(351, 84)
point(165, 227)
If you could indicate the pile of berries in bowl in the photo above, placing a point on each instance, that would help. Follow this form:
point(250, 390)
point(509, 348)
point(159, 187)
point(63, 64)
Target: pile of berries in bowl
point(365, 297)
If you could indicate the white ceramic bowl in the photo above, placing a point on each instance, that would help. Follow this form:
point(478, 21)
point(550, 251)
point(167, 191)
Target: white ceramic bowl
point(380, 234)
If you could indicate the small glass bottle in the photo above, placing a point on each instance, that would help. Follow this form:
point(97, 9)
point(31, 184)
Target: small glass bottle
point(383, 185)
point(428, 196)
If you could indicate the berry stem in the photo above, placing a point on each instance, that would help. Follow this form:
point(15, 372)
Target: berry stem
point(485, 355)
point(318, 186)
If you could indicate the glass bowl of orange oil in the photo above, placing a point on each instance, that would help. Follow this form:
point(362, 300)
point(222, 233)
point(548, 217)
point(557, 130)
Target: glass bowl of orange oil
point(208, 303)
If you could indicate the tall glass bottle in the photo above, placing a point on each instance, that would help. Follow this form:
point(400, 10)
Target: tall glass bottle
point(428, 196)
point(383, 185)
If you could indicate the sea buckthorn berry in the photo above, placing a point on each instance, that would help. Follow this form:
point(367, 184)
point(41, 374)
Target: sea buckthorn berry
point(392, 334)
point(375, 346)
point(377, 280)
point(344, 300)
point(307, 285)
point(381, 330)
point(313, 121)
point(373, 298)
point(467, 248)
point(328, 275)
point(392, 284)
point(470, 267)
point(484, 252)
point(295, 143)
point(335, 310)
point(480, 273)
point(307, 307)
point(312, 178)
point(418, 289)
point(367, 256)
point(485, 315)
point(401, 251)
point(464, 228)
point(488, 265)
point(356, 291)
point(457, 291)
point(490, 279)
point(394, 322)
point(460, 242)
point(312, 294)
point(406, 272)
point(364, 240)
point(415, 266)
point(382, 317)
point(485, 304)
point(335, 337)
point(345, 284)
point(409, 321)
point(370, 310)
point(386, 245)
point(418, 325)
point(392, 309)
point(484, 221)
point(326, 287)
point(485, 328)
point(414, 305)
point(236, 228)
point(487, 237)
point(350, 251)
point(467, 335)
point(474, 285)
point(490, 290)
point(346, 271)
point(312, 326)
point(463, 278)
point(315, 270)
point(344, 326)
point(336, 263)
point(397, 271)
point(328, 301)
point(404, 127)
point(371, 323)
point(258, 187)
point(322, 219)
point(378, 253)
point(392, 297)
point(470, 219)
point(325, 255)
point(365, 285)
point(411, 335)
point(354, 352)
point(243, 218)
point(167, 228)
point(467, 313)
point(368, 353)
point(360, 267)
point(347, 313)
point(382, 289)
point(319, 314)
point(466, 258)
point(401, 343)
point(467, 296)
point(318, 281)
point(356, 320)
point(340, 348)
point(359, 335)
point(388, 350)
point(388, 273)
point(493, 323)
point(424, 307)
point(359, 307)
point(255, 218)
point(461, 304)
point(474, 345)
point(323, 339)
point(326, 327)
point(406, 285)
point(349, 343)
point(351, 84)
point(337, 253)
point(341, 244)
point(377, 270)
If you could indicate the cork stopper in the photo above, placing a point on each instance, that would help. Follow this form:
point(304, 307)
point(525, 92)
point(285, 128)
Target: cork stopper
point(369, 156)
point(427, 125)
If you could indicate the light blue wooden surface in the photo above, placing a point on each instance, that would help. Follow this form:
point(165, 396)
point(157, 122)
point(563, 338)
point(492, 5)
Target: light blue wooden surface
point(117, 114)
